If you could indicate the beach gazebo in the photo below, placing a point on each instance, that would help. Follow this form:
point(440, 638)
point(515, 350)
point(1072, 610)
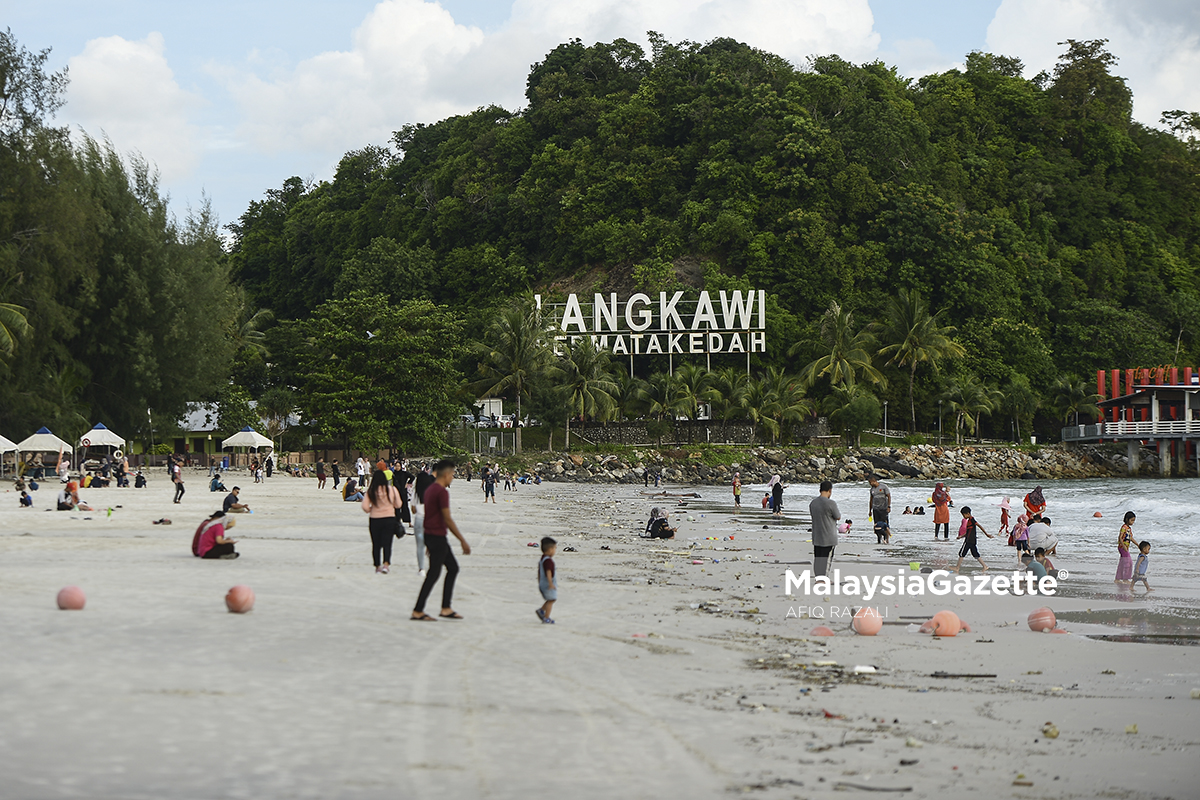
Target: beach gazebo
point(6, 446)
point(248, 437)
point(43, 442)
point(101, 436)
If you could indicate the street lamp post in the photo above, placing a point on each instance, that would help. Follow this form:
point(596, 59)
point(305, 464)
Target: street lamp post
point(939, 423)
point(885, 402)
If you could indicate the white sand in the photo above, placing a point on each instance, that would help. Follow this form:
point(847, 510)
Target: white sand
point(326, 690)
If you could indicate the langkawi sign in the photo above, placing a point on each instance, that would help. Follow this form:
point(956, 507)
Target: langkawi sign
point(735, 323)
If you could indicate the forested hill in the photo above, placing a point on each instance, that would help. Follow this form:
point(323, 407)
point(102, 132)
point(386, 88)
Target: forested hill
point(1052, 230)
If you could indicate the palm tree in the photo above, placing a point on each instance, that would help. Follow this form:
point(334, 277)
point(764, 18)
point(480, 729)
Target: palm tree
point(695, 390)
point(629, 395)
point(1070, 396)
point(847, 353)
point(250, 336)
point(13, 325)
point(756, 400)
point(513, 355)
point(662, 397)
point(784, 401)
point(583, 375)
point(913, 336)
point(967, 399)
point(852, 409)
point(1020, 400)
point(729, 387)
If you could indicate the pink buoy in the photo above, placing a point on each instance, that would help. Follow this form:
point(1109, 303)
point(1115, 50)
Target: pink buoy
point(240, 599)
point(867, 622)
point(821, 630)
point(1042, 620)
point(1098, 515)
point(71, 598)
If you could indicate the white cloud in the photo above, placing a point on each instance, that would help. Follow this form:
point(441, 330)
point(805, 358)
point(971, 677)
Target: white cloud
point(411, 62)
point(1157, 42)
point(126, 89)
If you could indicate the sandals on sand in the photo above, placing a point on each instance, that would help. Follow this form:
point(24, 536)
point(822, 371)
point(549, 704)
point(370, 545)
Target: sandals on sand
point(451, 615)
point(423, 618)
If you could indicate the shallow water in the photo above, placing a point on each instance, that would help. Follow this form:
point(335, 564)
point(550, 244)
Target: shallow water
point(1168, 516)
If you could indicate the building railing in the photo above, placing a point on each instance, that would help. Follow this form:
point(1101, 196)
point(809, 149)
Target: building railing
point(1127, 430)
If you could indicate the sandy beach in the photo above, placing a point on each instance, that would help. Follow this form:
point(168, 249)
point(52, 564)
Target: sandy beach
point(662, 678)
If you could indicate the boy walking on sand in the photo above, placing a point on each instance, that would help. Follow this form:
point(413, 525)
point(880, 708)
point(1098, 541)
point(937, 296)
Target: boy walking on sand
point(1142, 566)
point(546, 582)
point(967, 532)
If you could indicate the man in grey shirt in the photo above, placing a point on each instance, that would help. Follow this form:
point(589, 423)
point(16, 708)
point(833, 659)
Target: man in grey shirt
point(825, 516)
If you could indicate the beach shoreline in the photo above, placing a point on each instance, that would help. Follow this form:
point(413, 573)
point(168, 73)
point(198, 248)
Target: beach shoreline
point(662, 676)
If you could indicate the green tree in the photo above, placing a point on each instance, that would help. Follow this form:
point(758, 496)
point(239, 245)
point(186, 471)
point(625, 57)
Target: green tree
point(393, 388)
point(912, 336)
point(846, 353)
point(234, 411)
point(584, 377)
point(729, 390)
point(1022, 401)
point(852, 410)
point(13, 326)
point(1070, 397)
point(663, 400)
point(513, 356)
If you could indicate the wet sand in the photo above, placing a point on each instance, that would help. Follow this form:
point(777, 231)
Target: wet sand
point(662, 678)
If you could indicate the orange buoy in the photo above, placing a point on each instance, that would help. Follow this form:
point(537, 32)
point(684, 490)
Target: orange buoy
point(240, 599)
point(821, 630)
point(867, 622)
point(71, 598)
point(1042, 620)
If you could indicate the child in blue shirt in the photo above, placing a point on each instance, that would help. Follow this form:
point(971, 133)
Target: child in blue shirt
point(1142, 566)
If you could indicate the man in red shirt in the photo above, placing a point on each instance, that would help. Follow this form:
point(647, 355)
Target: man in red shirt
point(437, 522)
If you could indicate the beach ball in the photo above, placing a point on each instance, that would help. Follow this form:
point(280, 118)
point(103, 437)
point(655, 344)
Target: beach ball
point(240, 599)
point(71, 598)
point(867, 622)
point(1042, 620)
point(821, 630)
point(945, 623)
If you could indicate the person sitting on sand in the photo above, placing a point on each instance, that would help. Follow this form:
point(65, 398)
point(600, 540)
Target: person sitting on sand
point(139, 481)
point(26, 500)
point(210, 541)
point(232, 506)
point(350, 492)
point(1040, 535)
point(215, 484)
point(658, 527)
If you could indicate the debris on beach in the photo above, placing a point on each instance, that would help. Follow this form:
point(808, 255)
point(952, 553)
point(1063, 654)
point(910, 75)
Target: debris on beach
point(1050, 730)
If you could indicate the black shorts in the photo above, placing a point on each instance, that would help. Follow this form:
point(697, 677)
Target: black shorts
point(968, 547)
point(1022, 544)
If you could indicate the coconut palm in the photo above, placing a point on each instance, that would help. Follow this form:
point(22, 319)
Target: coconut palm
point(629, 396)
point(911, 336)
point(584, 377)
point(852, 409)
point(785, 402)
point(249, 336)
point(1069, 396)
point(514, 354)
point(967, 399)
point(847, 353)
point(1020, 400)
point(663, 399)
point(13, 326)
point(729, 387)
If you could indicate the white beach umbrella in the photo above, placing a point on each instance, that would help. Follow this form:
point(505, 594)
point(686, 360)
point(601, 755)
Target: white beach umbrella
point(43, 442)
point(247, 437)
point(101, 436)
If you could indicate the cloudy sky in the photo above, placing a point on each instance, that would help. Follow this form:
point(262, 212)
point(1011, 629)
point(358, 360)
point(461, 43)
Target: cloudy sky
point(229, 97)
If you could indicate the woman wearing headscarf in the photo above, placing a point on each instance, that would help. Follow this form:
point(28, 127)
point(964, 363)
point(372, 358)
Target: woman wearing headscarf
point(1035, 503)
point(941, 510)
point(657, 527)
point(776, 495)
